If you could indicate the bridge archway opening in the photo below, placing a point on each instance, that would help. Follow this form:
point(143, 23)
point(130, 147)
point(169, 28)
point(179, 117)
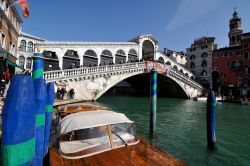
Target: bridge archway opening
point(166, 87)
point(120, 57)
point(71, 60)
point(148, 50)
point(90, 58)
point(132, 56)
point(51, 61)
point(106, 58)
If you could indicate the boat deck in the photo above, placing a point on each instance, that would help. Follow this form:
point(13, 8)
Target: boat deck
point(142, 154)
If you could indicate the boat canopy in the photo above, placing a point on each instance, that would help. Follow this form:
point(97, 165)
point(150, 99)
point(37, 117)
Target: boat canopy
point(90, 119)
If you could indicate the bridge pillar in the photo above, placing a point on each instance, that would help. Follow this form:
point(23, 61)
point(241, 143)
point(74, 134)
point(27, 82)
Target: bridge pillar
point(153, 101)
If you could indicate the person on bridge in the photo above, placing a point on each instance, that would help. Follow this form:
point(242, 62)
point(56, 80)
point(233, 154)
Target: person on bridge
point(63, 91)
point(71, 93)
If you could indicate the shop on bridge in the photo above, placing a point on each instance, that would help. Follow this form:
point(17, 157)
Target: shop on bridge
point(106, 58)
point(71, 60)
point(120, 57)
point(51, 61)
point(90, 58)
point(132, 56)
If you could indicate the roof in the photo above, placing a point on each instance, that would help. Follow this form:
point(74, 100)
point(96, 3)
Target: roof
point(136, 39)
point(85, 43)
point(89, 119)
point(31, 36)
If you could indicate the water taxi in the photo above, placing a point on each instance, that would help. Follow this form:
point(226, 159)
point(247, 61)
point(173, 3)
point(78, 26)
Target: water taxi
point(103, 137)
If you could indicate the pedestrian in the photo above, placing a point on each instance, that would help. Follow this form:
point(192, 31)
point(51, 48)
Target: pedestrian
point(63, 91)
point(2, 87)
point(6, 76)
point(58, 93)
point(71, 93)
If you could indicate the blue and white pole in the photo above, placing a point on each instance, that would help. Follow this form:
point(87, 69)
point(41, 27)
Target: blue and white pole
point(40, 100)
point(153, 101)
point(211, 109)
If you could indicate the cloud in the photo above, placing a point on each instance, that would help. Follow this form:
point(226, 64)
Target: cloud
point(190, 11)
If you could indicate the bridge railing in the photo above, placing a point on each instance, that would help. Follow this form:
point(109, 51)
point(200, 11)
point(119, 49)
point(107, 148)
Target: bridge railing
point(71, 73)
point(54, 75)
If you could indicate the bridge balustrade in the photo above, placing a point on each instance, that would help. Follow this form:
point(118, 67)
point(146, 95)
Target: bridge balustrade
point(69, 73)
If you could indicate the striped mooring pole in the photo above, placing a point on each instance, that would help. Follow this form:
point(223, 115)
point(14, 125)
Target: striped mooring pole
point(153, 102)
point(40, 100)
point(211, 109)
point(18, 118)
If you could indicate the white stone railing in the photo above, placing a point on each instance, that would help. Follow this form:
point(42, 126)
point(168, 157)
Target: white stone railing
point(69, 73)
point(86, 71)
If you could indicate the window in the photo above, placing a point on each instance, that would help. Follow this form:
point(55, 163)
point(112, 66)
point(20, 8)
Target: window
point(12, 48)
point(22, 46)
point(21, 61)
point(204, 54)
point(28, 63)
point(245, 45)
point(30, 47)
point(246, 55)
point(2, 40)
point(6, 9)
point(107, 53)
point(204, 73)
point(204, 64)
point(192, 65)
point(225, 53)
point(192, 57)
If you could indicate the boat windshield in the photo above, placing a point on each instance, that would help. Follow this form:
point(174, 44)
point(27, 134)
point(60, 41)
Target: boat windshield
point(86, 142)
point(123, 134)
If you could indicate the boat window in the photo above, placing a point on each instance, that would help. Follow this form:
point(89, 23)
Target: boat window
point(123, 134)
point(86, 141)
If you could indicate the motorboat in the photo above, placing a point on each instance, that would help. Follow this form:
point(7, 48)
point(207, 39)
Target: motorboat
point(84, 134)
point(99, 136)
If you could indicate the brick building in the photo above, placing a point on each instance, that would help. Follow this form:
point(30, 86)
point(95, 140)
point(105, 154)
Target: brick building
point(9, 31)
point(231, 65)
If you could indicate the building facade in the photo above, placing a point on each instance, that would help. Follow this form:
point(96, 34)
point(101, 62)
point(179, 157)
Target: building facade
point(178, 57)
point(231, 69)
point(199, 60)
point(9, 32)
point(26, 48)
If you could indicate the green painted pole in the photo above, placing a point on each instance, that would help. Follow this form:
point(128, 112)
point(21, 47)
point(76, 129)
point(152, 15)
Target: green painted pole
point(153, 101)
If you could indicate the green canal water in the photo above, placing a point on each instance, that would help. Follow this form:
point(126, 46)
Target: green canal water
point(181, 128)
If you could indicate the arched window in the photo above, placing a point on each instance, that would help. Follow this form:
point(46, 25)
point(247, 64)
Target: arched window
point(204, 73)
point(90, 58)
point(28, 63)
point(181, 71)
point(192, 57)
point(186, 74)
point(30, 47)
point(168, 63)
point(161, 60)
point(22, 46)
point(192, 65)
point(204, 64)
point(132, 55)
point(204, 54)
point(106, 58)
point(175, 67)
point(107, 53)
point(21, 61)
point(120, 57)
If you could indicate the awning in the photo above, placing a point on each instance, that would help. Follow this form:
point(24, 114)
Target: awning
point(13, 64)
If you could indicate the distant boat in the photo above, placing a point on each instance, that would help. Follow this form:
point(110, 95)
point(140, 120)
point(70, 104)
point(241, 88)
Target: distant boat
point(205, 98)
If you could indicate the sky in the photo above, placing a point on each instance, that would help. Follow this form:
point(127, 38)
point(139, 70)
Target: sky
point(174, 23)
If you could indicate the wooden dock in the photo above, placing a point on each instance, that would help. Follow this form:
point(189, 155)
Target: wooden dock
point(142, 154)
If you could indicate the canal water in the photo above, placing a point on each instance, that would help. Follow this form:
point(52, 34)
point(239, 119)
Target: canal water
point(181, 128)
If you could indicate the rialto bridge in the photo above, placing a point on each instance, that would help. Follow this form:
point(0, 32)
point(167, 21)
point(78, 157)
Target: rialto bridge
point(92, 68)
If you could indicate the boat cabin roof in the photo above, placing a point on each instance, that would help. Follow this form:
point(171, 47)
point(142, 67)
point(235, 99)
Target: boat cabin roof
point(90, 119)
